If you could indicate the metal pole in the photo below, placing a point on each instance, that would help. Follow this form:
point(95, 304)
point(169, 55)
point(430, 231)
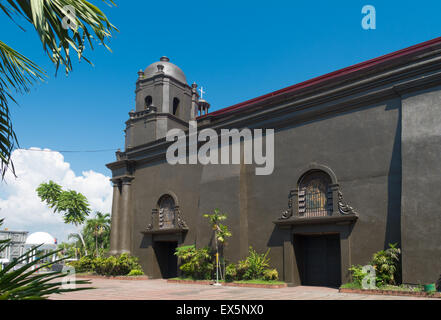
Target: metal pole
point(217, 267)
point(217, 260)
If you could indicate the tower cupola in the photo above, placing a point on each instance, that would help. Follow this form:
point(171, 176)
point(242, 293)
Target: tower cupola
point(164, 101)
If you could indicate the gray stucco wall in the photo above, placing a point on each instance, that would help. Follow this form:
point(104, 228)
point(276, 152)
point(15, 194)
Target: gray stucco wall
point(361, 148)
point(421, 202)
point(151, 182)
point(381, 143)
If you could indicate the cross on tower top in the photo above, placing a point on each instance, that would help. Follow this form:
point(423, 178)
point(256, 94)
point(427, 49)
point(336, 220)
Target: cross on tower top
point(201, 90)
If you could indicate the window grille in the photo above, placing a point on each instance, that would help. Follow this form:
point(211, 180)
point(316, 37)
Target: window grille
point(166, 212)
point(315, 197)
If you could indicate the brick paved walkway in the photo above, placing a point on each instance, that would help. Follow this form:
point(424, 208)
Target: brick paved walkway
point(160, 289)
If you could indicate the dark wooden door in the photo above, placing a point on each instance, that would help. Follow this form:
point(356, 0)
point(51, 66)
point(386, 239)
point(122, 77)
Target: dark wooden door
point(322, 265)
point(167, 260)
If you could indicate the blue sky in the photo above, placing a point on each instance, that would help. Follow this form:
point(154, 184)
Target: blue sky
point(236, 50)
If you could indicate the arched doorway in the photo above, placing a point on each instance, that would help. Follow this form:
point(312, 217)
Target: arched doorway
point(319, 255)
point(165, 247)
point(318, 259)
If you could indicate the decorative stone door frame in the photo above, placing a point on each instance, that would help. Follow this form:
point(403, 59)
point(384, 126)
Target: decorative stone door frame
point(342, 226)
point(157, 232)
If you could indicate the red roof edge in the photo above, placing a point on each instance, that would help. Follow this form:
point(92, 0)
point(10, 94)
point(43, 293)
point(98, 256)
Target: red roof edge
point(341, 72)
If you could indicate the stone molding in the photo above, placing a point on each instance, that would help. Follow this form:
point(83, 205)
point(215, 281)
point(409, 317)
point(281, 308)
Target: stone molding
point(340, 207)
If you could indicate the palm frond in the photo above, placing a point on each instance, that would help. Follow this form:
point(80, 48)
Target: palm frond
point(75, 236)
point(63, 25)
point(26, 283)
point(17, 73)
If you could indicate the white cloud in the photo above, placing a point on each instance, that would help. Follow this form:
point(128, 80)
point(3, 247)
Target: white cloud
point(20, 205)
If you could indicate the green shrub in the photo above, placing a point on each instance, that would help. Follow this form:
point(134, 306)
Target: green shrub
point(386, 265)
point(357, 274)
point(110, 266)
point(116, 265)
point(74, 264)
point(254, 265)
point(231, 272)
point(106, 266)
point(136, 272)
point(195, 263)
point(85, 264)
point(242, 267)
point(270, 274)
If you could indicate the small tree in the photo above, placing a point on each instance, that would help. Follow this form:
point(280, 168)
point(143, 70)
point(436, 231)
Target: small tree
point(67, 249)
point(73, 205)
point(255, 264)
point(387, 265)
point(221, 233)
point(78, 245)
point(98, 228)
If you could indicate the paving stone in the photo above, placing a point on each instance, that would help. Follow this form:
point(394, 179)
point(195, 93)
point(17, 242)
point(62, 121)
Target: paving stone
point(107, 289)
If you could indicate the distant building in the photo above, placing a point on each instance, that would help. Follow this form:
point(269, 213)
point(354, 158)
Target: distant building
point(45, 243)
point(16, 247)
point(21, 242)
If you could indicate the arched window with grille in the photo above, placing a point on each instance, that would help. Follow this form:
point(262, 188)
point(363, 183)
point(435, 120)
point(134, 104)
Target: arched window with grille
point(166, 206)
point(315, 196)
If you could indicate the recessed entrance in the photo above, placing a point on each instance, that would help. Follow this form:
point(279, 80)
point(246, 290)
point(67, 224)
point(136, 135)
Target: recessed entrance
point(167, 261)
point(318, 259)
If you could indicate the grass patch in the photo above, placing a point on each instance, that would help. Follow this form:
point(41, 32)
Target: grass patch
point(258, 281)
point(101, 275)
point(402, 287)
point(190, 279)
point(85, 274)
point(351, 285)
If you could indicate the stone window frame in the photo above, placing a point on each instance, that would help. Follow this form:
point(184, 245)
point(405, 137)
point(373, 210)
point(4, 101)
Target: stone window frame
point(158, 207)
point(293, 205)
point(339, 206)
point(179, 223)
point(302, 203)
point(341, 222)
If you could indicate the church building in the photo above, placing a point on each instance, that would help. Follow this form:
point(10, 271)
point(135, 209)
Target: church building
point(357, 165)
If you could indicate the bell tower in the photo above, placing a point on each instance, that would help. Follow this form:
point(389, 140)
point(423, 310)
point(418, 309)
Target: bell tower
point(164, 101)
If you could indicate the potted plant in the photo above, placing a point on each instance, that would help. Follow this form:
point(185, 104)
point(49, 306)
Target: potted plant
point(429, 287)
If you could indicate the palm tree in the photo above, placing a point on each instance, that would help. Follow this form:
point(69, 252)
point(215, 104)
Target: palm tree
point(64, 27)
point(67, 249)
point(221, 233)
point(99, 226)
point(94, 235)
point(79, 242)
